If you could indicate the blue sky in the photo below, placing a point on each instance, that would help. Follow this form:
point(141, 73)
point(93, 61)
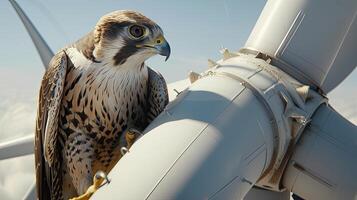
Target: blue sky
point(196, 30)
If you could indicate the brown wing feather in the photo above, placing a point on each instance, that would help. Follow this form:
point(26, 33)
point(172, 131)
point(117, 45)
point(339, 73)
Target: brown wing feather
point(50, 97)
point(158, 96)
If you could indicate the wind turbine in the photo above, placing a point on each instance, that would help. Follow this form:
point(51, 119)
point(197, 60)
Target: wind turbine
point(257, 123)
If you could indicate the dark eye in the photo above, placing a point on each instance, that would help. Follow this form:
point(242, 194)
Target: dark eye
point(136, 31)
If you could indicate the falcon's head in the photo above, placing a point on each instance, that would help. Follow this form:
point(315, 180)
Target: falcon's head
point(127, 37)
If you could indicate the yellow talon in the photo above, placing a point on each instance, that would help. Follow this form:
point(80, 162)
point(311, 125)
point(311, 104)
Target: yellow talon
point(98, 179)
point(130, 136)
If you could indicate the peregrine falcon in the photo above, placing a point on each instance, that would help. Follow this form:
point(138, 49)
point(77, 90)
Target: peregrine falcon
point(92, 93)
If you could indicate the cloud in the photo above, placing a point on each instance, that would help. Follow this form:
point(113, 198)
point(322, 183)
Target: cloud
point(16, 176)
point(18, 105)
point(17, 119)
point(345, 102)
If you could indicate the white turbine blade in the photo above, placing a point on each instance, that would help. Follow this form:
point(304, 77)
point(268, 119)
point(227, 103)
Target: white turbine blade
point(16, 148)
point(42, 48)
point(283, 31)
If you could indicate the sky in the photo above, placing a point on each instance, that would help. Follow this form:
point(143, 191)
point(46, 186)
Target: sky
point(196, 30)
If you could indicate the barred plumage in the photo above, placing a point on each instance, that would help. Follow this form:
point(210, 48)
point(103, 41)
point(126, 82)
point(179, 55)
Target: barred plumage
point(92, 92)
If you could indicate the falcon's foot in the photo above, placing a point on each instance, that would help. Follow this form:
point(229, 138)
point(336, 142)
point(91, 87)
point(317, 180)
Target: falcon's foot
point(131, 136)
point(98, 180)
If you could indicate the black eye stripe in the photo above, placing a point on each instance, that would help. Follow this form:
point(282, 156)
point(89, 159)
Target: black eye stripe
point(113, 29)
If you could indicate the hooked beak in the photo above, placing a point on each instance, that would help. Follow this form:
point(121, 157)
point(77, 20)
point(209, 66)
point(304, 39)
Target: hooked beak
point(164, 50)
point(161, 46)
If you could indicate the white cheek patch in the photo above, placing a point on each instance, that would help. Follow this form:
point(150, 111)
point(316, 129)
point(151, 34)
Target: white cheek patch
point(77, 58)
point(137, 58)
point(109, 49)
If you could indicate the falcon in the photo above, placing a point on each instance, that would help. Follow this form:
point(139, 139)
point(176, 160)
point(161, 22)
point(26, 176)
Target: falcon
point(93, 93)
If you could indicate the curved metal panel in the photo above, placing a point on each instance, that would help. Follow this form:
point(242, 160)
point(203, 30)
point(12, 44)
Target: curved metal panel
point(324, 163)
point(313, 41)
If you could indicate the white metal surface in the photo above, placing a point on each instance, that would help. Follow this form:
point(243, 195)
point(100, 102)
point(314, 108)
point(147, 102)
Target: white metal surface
point(324, 165)
point(203, 146)
point(261, 194)
point(226, 132)
point(312, 40)
point(16, 148)
point(291, 109)
point(176, 87)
